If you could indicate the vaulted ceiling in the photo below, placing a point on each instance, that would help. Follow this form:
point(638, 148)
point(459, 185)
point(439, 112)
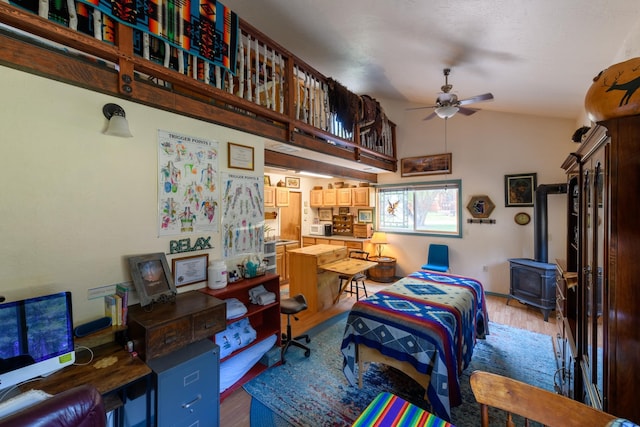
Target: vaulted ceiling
point(535, 56)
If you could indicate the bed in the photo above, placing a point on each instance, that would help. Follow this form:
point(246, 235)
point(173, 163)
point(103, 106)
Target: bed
point(426, 325)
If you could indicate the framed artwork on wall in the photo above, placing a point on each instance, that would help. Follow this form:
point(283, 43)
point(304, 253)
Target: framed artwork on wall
point(480, 206)
point(325, 214)
point(519, 189)
point(292, 182)
point(240, 156)
point(152, 278)
point(365, 215)
point(426, 165)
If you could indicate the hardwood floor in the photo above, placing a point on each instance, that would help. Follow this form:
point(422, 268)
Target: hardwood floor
point(234, 411)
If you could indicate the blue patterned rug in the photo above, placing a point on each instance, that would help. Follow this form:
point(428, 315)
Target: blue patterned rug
point(314, 392)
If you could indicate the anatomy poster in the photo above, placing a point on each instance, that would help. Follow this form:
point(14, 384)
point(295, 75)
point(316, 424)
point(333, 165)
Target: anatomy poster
point(242, 214)
point(187, 184)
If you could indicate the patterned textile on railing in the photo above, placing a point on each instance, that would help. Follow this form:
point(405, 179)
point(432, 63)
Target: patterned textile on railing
point(206, 29)
point(429, 322)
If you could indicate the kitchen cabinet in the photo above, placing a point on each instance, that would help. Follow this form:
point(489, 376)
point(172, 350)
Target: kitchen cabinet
point(316, 198)
point(282, 260)
point(357, 244)
point(343, 197)
point(602, 251)
point(329, 197)
point(276, 196)
point(363, 197)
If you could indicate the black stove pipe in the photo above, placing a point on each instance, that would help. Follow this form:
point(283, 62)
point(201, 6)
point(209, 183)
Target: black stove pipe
point(541, 246)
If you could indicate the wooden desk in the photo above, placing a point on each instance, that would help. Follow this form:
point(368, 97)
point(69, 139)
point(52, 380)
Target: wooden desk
point(347, 267)
point(111, 370)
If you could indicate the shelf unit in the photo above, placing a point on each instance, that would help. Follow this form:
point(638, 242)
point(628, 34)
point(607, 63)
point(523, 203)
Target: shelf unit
point(343, 225)
point(265, 319)
point(270, 256)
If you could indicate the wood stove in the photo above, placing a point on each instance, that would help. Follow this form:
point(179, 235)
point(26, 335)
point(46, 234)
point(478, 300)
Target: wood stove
point(533, 281)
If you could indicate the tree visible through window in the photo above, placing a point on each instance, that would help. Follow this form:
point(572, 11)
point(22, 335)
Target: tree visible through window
point(429, 208)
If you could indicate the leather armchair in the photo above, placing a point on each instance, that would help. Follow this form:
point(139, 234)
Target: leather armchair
point(80, 406)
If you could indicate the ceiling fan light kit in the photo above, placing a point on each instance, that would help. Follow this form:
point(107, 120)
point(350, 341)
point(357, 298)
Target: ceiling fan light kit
point(447, 111)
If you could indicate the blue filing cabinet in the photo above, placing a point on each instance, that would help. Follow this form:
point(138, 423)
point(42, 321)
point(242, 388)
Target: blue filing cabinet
point(187, 386)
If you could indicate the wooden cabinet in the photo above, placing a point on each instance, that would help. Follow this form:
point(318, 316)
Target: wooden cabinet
point(363, 197)
point(336, 241)
point(265, 319)
point(604, 252)
point(329, 197)
point(308, 241)
point(187, 386)
point(276, 196)
point(282, 260)
point(343, 197)
point(316, 198)
point(172, 325)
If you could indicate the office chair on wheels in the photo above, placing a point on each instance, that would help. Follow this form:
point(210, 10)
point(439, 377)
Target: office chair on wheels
point(291, 307)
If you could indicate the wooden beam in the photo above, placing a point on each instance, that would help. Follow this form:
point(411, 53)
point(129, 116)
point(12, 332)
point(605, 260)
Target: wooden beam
point(287, 161)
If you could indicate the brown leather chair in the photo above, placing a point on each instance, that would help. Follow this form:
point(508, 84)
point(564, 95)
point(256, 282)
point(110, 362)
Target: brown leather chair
point(80, 406)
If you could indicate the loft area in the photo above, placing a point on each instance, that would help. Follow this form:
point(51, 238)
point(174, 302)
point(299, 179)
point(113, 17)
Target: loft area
point(272, 94)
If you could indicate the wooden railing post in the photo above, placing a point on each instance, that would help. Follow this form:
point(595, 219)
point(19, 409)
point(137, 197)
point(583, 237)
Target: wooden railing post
point(125, 73)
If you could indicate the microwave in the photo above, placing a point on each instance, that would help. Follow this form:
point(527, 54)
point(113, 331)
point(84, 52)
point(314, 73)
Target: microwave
point(320, 229)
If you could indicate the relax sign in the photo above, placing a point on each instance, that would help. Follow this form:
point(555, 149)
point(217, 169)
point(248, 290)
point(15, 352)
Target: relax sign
point(184, 245)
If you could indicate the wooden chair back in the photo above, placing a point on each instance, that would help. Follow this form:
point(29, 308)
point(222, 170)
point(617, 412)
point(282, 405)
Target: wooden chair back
point(359, 254)
point(532, 403)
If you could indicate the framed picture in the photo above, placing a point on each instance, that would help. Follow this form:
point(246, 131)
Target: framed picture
point(152, 278)
point(191, 269)
point(343, 211)
point(365, 215)
point(291, 182)
point(267, 180)
point(325, 214)
point(519, 189)
point(240, 156)
point(480, 206)
point(426, 165)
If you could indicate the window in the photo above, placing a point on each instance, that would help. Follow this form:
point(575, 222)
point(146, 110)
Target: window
point(427, 208)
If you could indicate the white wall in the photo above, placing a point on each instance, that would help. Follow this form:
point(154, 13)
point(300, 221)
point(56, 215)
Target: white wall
point(485, 146)
point(75, 203)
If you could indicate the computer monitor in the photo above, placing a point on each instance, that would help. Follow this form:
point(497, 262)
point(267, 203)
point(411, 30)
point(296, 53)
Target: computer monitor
point(36, 337)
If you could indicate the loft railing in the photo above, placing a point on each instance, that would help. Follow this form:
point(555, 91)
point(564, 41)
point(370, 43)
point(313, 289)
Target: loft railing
point(270, 83)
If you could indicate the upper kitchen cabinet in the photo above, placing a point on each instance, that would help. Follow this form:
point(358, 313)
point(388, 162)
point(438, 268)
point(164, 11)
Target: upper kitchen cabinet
point(363, 197)
point(316, 198)
point(276, 197)
point(343, 196)
point(329, 197)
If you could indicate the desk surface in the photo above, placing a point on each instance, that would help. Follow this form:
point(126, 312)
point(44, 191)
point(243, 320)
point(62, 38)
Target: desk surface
point(111, 369)
point(348, 266)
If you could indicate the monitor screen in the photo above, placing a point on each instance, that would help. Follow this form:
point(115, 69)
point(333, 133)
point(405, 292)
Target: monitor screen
point(36, 337)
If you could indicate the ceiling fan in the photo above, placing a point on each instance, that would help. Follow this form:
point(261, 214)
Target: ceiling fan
point(448, 104)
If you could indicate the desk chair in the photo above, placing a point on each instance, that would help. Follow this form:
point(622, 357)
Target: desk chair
point(438, 258)
point(290, 307)
point(357, 282)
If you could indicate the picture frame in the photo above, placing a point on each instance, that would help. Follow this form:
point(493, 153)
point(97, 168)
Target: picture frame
point(292, 182)
point(267, 180)
point(365, 215)
point(426, 165)
point(480, 206)
point(240, 156)
point(190, 269)
point(152, 278)
point(519, 189)
point(325, 214)
point(343, 211)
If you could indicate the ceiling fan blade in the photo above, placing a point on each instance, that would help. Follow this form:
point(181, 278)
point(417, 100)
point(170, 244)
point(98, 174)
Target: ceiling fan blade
point(467, 111)
point(420, 108)
point(478, 98)
point(430, 116)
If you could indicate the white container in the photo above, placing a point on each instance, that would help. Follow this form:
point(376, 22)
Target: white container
point(217, 275)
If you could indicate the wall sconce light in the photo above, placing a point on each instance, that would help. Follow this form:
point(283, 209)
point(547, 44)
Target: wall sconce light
point(118, 125)
point(379, 239)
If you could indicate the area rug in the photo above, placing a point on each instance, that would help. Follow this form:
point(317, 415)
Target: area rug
point(314, 392)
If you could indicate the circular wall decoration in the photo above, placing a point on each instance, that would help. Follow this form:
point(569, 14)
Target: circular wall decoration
point(522, 218)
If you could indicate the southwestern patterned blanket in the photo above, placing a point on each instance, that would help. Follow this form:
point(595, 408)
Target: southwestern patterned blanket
point(430, 320)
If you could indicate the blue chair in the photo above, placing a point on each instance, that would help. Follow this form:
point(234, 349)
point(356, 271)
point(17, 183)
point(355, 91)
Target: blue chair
point(438, 258)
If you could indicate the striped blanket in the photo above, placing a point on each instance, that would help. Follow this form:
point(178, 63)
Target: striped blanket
point(430, 320)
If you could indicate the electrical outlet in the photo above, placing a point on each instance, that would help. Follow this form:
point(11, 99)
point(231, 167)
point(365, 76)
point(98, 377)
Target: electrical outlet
point(485, 268)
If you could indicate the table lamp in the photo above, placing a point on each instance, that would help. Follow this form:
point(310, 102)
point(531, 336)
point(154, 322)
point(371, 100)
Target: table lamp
point(379, 239)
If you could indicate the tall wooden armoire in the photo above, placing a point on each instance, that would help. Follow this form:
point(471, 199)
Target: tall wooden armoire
point(603, 247)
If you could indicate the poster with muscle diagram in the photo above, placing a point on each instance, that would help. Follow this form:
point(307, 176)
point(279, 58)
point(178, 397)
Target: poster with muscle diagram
point(243, 214)
point(188, 195)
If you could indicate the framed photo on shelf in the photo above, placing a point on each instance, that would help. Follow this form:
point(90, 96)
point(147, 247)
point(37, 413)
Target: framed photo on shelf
point(152, 278)
point(190, 269)
point(426, 165)
point(365, 215)
point(325, 214)
point(240, 156)
point(343, 211)
point(519, 189)
point(292, 182)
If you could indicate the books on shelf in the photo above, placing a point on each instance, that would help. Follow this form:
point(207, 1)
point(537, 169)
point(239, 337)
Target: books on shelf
point(110, 308)
point(122, 289)
point(116, 306)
